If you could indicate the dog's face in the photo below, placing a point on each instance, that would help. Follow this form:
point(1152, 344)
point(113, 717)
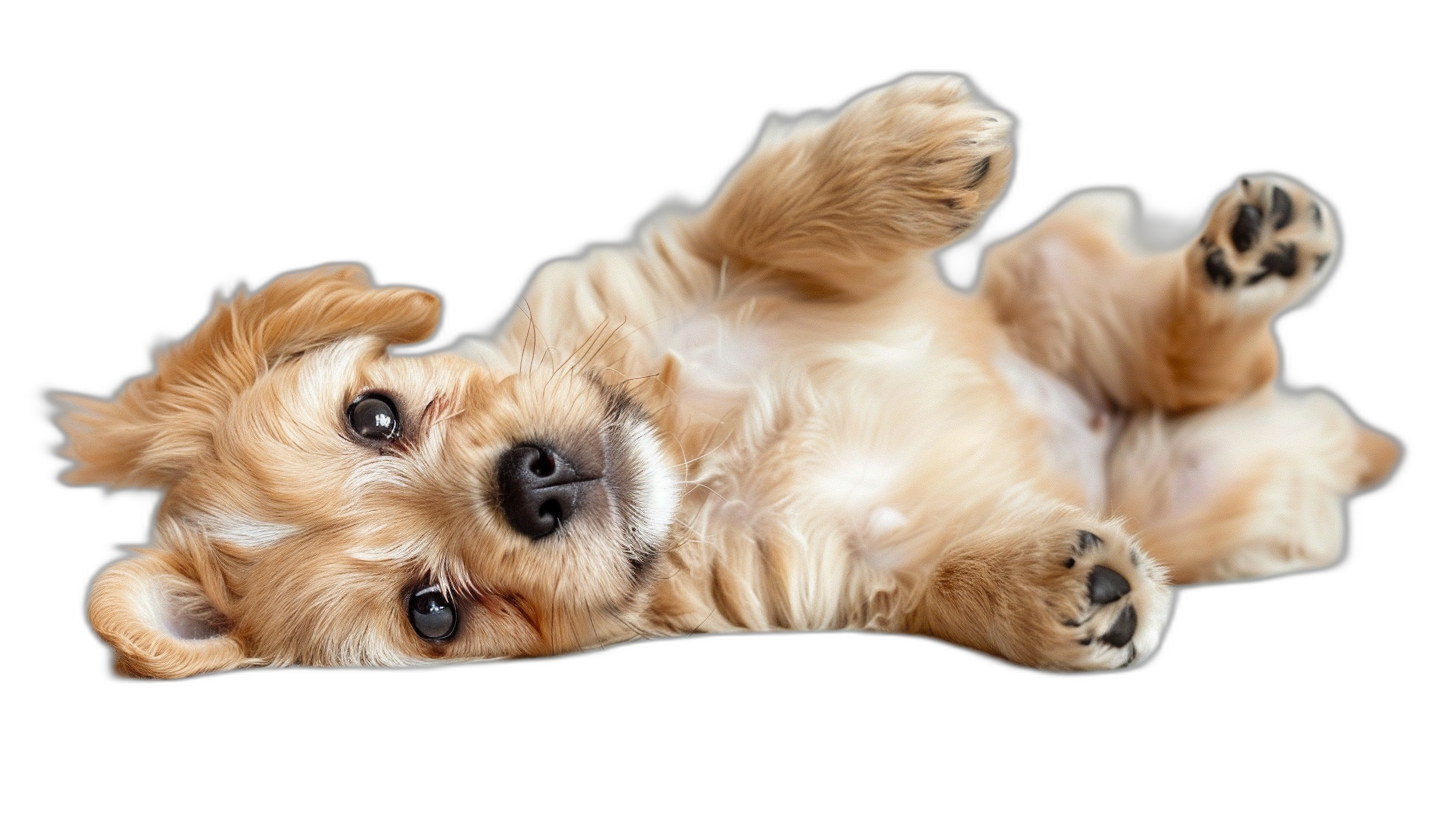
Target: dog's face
point(327, 503)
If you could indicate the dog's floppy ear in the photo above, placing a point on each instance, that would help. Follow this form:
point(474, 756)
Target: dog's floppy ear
point(165, 610)
point(158, 424)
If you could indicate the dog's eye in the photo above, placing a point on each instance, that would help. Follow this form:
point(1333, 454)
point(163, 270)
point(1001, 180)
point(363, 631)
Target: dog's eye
point(373, 417)
point(431, 613)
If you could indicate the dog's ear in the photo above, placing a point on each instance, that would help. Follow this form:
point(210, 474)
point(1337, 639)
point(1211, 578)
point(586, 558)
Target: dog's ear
point(158, 424)
point(166, 610)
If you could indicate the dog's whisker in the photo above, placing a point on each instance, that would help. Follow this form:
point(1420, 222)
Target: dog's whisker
point(610, 340)
point(708, 453)
point(579, 347)
point(696, 485)
point(569, 364)
point(526, 341)
point(525, 308)
point(535, 343)
point(635, 629)
point(575, 402)
point(677, 438)
point(549, 357)
point(693, 520)
point(642, 326)
point(597, 348)
point(628, 381)
point(698, 627)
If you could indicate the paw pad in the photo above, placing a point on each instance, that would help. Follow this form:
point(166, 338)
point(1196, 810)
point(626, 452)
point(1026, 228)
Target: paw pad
point(1114, 586)
point(1122, 629)
point(1263, 229)
point(1105, 585)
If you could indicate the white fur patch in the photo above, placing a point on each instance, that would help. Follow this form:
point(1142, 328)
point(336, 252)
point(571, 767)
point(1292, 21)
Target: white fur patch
point(1261, 296)
point(878, 549)
point(883, 521)
point(657, 485)
point(1078, 437)
point(244, 532)
point(857, 481)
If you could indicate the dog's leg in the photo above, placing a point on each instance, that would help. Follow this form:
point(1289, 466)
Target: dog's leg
point(1176, 331)
point(906, 168)
point(1053, 587)
point(829, 206)
point(1251, 488)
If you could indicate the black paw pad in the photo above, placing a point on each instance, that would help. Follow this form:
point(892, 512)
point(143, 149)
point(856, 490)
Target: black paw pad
point(1281, 209)
point(1122, 629)
point(1284, 262)
point(1087, 541)
point(1218, 270)
point(1106, 586)
point(1246, 228)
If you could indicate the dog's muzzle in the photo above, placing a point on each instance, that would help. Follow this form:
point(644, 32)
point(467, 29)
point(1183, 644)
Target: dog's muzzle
point(540, 489)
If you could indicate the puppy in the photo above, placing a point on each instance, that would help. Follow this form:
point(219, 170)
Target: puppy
point(769, 414)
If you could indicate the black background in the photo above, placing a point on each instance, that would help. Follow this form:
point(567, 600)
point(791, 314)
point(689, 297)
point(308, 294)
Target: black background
point(168, 177)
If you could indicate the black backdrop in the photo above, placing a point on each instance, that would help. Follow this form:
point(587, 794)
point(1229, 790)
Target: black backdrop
point(168, 179)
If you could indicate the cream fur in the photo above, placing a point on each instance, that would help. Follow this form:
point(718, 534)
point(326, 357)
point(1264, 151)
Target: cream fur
point(797, 426)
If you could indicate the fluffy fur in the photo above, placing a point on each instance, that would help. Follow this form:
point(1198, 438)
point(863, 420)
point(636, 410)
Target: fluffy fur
point(794, 425)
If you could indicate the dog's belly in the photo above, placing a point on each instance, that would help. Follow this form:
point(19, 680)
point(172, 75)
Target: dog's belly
point(874, 448)
point(1078, 438)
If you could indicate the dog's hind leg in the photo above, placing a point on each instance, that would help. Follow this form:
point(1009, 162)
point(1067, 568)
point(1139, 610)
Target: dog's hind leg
point(1251, 488)
point(1177, 330)
point(836, 202)
point(1046, 585)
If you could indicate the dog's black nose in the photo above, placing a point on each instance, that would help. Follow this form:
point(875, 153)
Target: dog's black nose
point(539, 489)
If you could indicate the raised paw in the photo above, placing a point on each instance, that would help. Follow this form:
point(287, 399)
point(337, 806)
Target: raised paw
point(905, 168)
point(945, 153)
point(1267, 243)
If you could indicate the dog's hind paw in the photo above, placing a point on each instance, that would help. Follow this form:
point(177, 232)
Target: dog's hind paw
point(1062, 593)
point(1267, 242)
point(1119, 602)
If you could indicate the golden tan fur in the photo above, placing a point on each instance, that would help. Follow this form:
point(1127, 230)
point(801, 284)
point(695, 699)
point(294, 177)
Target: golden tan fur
point(797, 427)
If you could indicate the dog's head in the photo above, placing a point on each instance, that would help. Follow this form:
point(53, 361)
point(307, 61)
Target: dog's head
point(328, 503)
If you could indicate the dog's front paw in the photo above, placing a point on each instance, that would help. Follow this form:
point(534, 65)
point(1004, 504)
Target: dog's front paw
point(932, 156)
point(905, 168)
point(1268, 241)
